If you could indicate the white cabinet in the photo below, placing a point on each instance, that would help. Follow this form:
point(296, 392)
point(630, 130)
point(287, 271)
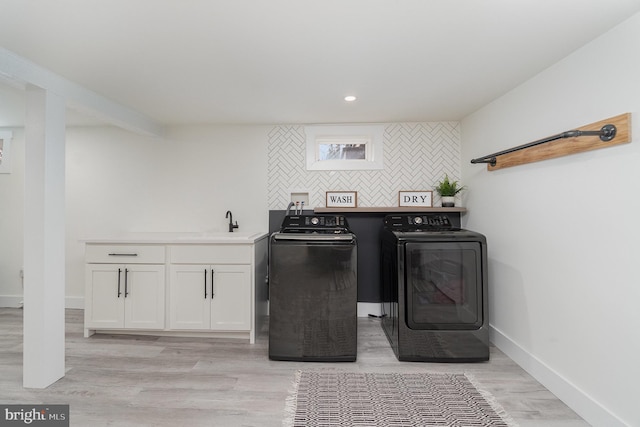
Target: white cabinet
point(122, 291)
point(211, 287)
point(176, 287)
point(210, 297)
point(124, 296)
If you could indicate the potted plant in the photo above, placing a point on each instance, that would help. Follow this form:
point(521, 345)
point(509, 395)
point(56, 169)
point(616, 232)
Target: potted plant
point(448, 190)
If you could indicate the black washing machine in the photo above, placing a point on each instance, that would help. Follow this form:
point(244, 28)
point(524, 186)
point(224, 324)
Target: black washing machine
point(434, 280)
point(313, 290)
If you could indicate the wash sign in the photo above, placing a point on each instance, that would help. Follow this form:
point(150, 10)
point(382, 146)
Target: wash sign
point(342, 199)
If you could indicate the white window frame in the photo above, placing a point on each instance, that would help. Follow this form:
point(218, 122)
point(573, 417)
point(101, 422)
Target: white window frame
point(5, 161)
point(368, 135)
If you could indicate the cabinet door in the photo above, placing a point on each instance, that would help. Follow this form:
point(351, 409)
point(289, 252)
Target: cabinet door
point(104, 302)
point(189, 296)
point(144, 296)
point(231, 303)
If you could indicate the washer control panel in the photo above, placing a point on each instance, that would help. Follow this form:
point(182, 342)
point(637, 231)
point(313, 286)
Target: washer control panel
point(315, 223)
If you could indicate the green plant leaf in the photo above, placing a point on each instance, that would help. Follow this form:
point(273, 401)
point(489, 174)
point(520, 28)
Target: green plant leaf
point(448, 188)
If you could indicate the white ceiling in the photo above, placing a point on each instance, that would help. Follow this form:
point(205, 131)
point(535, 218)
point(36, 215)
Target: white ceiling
point(293, 61)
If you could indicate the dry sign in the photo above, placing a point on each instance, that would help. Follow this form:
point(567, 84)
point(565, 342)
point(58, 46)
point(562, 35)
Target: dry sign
point(415, 198)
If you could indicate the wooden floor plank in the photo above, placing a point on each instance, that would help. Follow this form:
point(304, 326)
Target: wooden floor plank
point(149, 381)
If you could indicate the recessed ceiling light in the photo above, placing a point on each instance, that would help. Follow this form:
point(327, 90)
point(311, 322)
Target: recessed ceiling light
point(350, 98)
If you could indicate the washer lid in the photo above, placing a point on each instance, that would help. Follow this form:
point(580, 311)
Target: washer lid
point(451, 235)
point(314, 237)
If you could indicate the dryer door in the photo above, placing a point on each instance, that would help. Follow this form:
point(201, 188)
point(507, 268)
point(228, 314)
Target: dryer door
point(444, 285)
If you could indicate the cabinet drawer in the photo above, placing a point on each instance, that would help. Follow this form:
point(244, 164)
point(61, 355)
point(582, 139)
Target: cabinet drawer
point(125, 254)
point(211, 254)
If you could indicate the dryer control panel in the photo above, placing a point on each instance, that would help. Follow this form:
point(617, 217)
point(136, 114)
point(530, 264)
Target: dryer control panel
point(418, 222)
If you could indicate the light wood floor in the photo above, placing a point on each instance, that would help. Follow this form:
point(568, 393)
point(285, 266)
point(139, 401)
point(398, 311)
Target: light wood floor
point(116, 380)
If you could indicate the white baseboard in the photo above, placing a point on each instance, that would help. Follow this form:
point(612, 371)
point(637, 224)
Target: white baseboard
point(367, 308)
point(13, 301)
point(364, 308)
point(590, 410)
point(16, 301)
point(74, 302)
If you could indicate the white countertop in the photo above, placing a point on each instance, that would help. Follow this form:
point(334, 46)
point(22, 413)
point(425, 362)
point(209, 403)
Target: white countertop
point(237, 238)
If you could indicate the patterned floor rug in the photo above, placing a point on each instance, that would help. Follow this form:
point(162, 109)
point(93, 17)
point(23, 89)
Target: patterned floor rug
point(375, 399)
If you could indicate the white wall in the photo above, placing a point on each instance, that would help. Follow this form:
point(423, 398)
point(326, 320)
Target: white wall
point(416, 157)
point(118, 181)
point(563, 236)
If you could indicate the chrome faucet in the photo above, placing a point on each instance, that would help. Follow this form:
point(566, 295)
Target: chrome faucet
point(231, 225)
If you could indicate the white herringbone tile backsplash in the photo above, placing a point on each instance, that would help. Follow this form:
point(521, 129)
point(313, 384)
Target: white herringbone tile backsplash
point(416, 157)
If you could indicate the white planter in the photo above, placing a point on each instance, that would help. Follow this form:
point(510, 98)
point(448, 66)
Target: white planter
point(448, 201)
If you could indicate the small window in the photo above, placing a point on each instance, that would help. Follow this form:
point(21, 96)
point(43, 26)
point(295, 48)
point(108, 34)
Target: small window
point(344, 147)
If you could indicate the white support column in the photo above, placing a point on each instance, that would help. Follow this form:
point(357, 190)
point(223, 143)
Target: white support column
point(44, 239)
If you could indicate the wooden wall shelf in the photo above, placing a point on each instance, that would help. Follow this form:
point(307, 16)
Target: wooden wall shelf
point(388, 209)
point(566, 146)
